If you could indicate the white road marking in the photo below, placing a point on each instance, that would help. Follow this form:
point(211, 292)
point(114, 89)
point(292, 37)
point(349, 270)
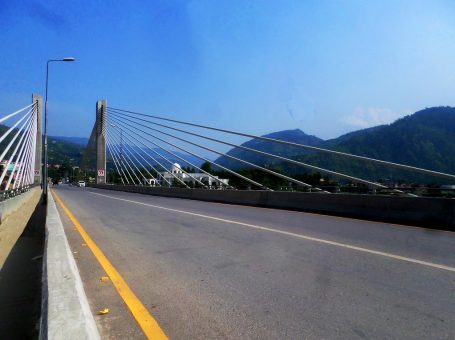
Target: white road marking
point(282, 232)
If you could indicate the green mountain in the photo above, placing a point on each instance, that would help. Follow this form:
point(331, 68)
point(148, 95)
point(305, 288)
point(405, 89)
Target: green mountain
point(64, 152)
point(294, 136)
point(424, 139)
point(60, 151)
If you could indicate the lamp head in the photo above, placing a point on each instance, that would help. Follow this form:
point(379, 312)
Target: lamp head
point(68, 59)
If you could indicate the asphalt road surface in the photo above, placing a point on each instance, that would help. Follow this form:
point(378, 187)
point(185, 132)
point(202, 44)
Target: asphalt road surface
point(216, 271)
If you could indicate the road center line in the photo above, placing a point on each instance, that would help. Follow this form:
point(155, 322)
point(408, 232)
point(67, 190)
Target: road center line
point(145, 320)
point(282, 232)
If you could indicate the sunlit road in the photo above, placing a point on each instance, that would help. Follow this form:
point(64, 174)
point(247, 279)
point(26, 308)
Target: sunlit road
point(207, 270)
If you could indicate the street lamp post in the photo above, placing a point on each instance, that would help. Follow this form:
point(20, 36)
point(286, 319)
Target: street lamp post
point(74, 176)
point(45, 184)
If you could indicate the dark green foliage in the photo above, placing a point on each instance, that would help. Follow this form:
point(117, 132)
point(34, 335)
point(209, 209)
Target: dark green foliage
point(188, 169)
point(206, 166)
point(269, 180)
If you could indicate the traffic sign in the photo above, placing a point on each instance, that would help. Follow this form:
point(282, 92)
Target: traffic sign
point(100, 172)
point(37, 172)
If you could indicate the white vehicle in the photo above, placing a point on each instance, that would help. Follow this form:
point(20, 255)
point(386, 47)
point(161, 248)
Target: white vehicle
point(81, 184)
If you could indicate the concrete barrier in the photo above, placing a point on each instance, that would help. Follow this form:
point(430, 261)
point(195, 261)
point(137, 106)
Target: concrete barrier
point(9, 206)
point(14, 215)
point(65, 310)
point(435, 213)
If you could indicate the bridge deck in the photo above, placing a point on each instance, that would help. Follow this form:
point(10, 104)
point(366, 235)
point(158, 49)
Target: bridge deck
point(207, 270)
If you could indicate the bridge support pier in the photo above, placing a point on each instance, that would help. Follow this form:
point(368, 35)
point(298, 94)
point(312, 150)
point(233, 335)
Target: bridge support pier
point(100, 126)
point(38, 179)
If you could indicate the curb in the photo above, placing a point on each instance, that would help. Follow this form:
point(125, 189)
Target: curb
point(65, 310)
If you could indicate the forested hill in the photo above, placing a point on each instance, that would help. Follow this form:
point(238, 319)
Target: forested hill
point(294, 136)
point(62, 150)
point(424, 139)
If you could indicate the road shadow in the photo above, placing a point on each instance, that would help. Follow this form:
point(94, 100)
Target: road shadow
point(21, 281)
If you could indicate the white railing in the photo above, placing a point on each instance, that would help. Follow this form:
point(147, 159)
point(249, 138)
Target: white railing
point(18, 135)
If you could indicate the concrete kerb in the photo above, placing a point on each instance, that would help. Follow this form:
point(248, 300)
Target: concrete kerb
point(65, 310)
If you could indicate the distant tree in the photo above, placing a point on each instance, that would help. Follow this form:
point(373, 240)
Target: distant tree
point(177, 184)
point(188, 169)
point(207, 167)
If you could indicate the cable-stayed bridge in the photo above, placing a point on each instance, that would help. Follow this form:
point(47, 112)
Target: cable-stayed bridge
point(124, 133)
point(289, 260)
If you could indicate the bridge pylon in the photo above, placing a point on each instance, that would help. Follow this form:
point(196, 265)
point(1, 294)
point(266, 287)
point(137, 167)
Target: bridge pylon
point(38, 178)
point(100, 126)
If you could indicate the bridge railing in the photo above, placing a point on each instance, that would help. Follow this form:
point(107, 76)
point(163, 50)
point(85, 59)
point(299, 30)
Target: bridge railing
point(6, 194)
point(19, 140)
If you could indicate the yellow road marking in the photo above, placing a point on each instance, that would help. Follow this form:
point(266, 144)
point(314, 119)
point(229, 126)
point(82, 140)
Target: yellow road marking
point(145, 320)
point(301, 236)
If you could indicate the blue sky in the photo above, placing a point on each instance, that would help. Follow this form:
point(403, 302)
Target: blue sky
point(326, 67)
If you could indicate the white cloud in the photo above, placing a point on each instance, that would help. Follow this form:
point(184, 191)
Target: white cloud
point(372, 116)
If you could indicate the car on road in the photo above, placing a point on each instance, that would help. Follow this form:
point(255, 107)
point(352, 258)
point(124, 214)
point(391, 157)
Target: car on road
point(81, 184)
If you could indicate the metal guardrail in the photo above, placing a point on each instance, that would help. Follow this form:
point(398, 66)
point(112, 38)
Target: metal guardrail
point(336, 189)
point(7, 194)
